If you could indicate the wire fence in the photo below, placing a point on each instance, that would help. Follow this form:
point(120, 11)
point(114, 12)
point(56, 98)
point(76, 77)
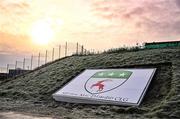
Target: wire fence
point(41, 58)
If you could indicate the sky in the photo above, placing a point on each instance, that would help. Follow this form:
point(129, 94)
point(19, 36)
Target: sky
point(97, 24)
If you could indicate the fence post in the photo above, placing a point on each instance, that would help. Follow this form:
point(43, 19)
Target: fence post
point(85, 51)
point(77, 48)
point(53, 55)
point(31, 61)
point(66, 49)
point(46, 57)
point(16, 65)
point(93, 51)
point(82, 49)
point(24, 63)
point(39, 59)
point(59, 51)
point(7, 68)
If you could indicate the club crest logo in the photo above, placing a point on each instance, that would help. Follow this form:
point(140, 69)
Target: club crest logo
point(105, 81)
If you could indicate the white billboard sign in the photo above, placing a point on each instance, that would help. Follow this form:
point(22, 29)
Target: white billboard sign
point(107, 86)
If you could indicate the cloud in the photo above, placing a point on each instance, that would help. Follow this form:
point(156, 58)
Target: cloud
point(108, 9)
point(92, 22)
point(14, 16)
point(12, 7)
point(178, 2)
point(14, 44)
point(159, 17)
point(136, 11)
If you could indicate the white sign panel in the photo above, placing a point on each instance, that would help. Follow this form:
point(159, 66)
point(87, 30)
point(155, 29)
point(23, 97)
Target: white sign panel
point(107, 86)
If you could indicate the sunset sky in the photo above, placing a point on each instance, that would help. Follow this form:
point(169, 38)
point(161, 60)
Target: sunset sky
point(32, 25)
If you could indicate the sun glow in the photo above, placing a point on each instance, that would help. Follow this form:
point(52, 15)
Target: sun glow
point(41, 32)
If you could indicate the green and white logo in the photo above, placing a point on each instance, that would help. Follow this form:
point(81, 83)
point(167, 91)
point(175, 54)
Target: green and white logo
point(104, 81)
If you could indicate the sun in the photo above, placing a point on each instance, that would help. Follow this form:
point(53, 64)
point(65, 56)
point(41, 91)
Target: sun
point(41, 32)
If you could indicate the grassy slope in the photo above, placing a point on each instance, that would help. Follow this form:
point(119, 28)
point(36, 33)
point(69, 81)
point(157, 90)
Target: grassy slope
point(33, 92)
